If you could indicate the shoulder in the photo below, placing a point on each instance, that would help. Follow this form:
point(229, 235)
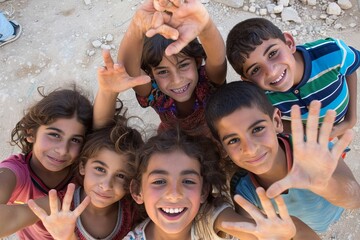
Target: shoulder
point(139, 232)
point(17, 164)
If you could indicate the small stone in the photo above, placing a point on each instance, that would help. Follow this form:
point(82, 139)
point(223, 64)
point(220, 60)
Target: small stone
point(96, 43)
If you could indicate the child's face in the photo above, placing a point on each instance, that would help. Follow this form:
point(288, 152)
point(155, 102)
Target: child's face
point(171, 190)
point(249, 136)
point(104, 178)
point(272, 65)
point(177, 77)
point(57, 145)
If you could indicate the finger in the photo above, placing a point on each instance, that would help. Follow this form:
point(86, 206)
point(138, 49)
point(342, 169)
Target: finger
point(297, 129)
point(266, 203)
point(82, 206)
point(140, 80)
point(279, 187)
point(253, 211)
point(38, 211)
point(343, 142)
point(68, 197)
point(312, 122)
point(108, 61)
point(178, 3)
point(326, 127)
point(157, 20)
point(282, 209)
point(53, 201)
point(165, 30)
point(239, 226)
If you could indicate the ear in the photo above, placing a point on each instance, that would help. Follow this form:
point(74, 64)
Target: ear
point(290, 42)
point(278, 125)
point(81, 168)
point(136, 192)
point(30, 136)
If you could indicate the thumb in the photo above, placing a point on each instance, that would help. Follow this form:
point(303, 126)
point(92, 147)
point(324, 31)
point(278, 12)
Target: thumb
point(278, 187)
point(140, 80)
point(174, 48)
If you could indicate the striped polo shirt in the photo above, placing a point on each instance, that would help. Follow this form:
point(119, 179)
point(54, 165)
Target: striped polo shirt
point(327, 62)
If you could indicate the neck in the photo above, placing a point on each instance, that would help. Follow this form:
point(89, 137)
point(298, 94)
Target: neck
point(184, 109)
point(277, 172)
point(154, 232)
point(299, 67)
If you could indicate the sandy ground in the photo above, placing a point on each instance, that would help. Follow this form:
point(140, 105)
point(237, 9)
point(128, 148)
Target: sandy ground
point(56, 49)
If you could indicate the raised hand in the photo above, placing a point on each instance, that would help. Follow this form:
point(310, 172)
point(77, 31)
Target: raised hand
point(113, 77)
point(266, 227)
point(61, 221)
point(190, 18)
point(314, 163)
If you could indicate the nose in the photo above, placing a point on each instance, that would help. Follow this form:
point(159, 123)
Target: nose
point(106, 183)
point(248, 147)
point(270, 70)
point(62, 148)
point(174, 192)
point(177, 77)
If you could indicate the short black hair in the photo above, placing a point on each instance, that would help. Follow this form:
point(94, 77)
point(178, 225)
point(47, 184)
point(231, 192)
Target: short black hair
point(245, 36)
point(232, 96)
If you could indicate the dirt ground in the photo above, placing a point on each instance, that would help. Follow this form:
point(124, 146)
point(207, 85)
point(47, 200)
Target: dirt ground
point(56, 48)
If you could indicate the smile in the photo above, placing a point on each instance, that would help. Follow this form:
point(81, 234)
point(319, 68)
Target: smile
point(173, 212)
point(257, 159)
point(279, 78)
point(181, 90)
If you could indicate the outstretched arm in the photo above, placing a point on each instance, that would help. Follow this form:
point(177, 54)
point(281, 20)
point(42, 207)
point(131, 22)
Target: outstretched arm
point(131, 46)
point(351, 115)
point(315, 167)
point(18, 216)
point(61, 222)
point(112, 79)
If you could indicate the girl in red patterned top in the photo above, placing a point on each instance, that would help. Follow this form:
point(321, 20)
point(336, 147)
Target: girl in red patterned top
point(103, 206)
point(184, 73)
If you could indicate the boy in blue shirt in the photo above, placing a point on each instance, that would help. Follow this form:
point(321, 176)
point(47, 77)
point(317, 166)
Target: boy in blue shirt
point(324, 70)
point(315, 185)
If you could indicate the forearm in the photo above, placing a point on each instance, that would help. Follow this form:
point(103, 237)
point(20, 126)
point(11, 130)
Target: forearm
point(303, 231)
point(342, 190)
point(216, 64)
point(104, 108)
point(14, 218)
point(351, 114)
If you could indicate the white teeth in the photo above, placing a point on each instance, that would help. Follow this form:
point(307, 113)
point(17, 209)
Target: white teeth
point(173, 210)
point(180, 90)
point(277, 80)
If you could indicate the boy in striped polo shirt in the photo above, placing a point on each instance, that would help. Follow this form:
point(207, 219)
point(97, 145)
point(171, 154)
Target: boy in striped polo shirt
point(323, 70)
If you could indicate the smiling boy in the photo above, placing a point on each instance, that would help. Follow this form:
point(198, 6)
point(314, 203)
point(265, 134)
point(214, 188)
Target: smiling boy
point(314, 183)
point(323, 70)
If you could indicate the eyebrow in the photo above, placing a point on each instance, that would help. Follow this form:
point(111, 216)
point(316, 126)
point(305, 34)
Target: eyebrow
point(184, 172)
point(265, 52)
point(161, 67)
point(251, 126)
point(100, 162)
point(62, 132)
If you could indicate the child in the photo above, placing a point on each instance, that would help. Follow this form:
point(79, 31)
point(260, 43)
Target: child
point(182, 186)
point(106, 167)
point(323, 70)
point(180, 83)
point(50, 135)
point(315, 185)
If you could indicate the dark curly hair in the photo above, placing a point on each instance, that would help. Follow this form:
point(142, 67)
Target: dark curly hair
point(60, 103)
point(199, 147)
